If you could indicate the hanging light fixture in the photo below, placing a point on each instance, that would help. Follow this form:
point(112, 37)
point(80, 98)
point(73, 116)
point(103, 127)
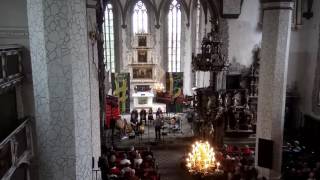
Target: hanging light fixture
point(211, 57)
point(202, 161)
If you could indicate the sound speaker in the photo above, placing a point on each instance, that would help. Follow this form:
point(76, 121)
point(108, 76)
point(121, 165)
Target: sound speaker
point(265, 153)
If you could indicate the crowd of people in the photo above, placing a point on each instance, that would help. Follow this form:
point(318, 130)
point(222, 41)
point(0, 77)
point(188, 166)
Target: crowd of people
point(300, 162)
point(157, 122)
point(238, 163)
point(129, 164)
point(135, 127)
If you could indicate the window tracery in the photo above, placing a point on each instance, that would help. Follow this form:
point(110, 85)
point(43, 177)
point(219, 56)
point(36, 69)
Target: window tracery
point(174, 37)
point(108, 30)
point(140, 18)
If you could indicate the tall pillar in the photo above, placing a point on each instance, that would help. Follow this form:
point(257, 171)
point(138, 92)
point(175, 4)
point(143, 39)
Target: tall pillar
point(94, 82)
point(60, 71)
point(272, 83)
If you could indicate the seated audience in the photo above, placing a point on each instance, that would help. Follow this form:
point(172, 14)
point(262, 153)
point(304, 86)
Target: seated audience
point(125, 160)
point(147, 153)
point(122, 167)
point(137, 161)
point(127, 169)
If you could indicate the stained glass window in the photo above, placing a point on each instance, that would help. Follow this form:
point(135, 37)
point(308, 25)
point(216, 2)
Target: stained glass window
point(108, 30)
point(174, 37)
point(140, 18)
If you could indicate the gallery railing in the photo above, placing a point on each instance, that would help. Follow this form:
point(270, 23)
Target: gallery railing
point(16, 150)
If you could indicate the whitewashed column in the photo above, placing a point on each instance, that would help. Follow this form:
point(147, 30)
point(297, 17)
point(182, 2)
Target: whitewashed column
point(94, 82)
point(273, 80)
point(59, 56)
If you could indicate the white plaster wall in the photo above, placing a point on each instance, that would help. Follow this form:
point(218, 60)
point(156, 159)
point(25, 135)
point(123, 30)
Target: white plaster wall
point(13, 13)
point(244, 33)
point(303, 57)
point(14, 30)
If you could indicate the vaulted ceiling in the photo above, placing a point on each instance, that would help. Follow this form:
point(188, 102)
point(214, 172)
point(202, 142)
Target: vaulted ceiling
point(160, 7)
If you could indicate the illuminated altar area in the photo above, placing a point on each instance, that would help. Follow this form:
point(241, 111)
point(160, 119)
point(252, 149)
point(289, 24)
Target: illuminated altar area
point(144, 70)
point(142, 100)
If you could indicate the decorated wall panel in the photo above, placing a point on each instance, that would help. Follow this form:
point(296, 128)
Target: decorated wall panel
point(121, 89)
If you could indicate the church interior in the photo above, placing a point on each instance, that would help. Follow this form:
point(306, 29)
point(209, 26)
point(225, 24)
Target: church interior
point(159, 89)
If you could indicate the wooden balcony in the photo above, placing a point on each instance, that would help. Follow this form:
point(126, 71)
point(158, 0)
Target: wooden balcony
point(10, 66)
point(16, 152)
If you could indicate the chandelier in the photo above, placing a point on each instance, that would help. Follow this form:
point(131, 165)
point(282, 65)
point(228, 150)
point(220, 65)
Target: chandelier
point(201, 160)
point(211, 57)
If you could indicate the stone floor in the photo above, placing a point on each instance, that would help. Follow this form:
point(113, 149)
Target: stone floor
point(169, 164)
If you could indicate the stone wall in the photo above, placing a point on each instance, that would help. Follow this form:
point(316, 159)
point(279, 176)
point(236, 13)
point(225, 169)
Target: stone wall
point(245, 32)
point(94, 84)
point(14, 30)
point(303, 60)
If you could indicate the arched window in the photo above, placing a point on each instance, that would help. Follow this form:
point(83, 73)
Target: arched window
point(108, 30)
point(198, 39)
point(140, 18)
point(198, 23)
point(174, 36)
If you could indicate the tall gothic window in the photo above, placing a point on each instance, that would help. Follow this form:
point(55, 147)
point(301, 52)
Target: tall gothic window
point(198, 38)
point(140, 18)
point(108, 30)
point(174, 36)
point(198, 22)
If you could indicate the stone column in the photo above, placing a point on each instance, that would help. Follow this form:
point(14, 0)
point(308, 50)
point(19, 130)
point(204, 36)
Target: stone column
point(186, 61)
point(273, 80)
point(60, 71)
point(94, 82)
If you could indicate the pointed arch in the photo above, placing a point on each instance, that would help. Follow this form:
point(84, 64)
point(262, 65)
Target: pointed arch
point(174, 36)
point(109, 37)
point(164, 9)
point(140, 18)
point(128, 8)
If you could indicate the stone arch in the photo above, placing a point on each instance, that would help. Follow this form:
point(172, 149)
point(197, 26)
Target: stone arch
point(209, 7)
point(213, 8)
point(128, 8)
point(118, 9)
point(164, 9)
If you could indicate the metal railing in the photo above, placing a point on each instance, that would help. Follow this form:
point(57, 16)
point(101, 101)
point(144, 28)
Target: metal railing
point(16, 150)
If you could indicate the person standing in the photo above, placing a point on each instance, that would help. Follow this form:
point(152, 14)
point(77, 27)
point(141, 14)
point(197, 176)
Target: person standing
point(159, 113)
point(143, 116)
point(104, 166)
point(113, 127)
point(157, 127)
point(150, 115)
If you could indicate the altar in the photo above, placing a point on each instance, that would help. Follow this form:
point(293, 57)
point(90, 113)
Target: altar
point(142, 100)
